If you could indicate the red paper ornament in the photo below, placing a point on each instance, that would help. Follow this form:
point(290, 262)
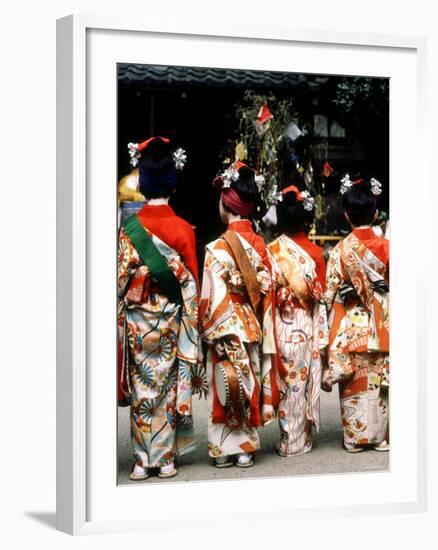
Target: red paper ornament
point(264, 114)
point(327, 170)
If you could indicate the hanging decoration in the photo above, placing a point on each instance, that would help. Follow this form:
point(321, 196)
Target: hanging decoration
point(271, 136)
point(327, 170)
point(263, 119)
point(293, 132)
point(268, 130)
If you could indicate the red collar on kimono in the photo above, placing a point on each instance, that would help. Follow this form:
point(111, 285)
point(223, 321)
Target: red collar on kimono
point(364, 233)
point(379, 246)
point(156, 211)
point(302, 240)
point(241, 226)
point(298, 237)
point(244, 228)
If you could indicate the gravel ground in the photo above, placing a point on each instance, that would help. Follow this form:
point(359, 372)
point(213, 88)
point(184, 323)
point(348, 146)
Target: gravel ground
point(327, 456)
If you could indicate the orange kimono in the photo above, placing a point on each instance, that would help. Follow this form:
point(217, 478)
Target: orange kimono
point(226, 316)
point(357, 298)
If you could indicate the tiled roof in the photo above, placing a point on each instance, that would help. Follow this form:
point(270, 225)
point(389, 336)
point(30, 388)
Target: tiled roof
point(159, 75)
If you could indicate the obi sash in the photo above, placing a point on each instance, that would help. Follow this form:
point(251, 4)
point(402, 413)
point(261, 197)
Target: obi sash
point(245, 267)
point(154, 261)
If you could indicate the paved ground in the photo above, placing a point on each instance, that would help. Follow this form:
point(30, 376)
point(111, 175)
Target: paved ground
point(326, 457)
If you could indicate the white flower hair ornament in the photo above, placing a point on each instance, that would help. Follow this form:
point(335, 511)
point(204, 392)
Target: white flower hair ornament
point(135, 149)
point(376, 186)
point(275, 196)
point(302, 196)
point(180, 158)
point(260, 181)
point(346, 184)
point(134, 153)
point(231, 174)
point(228, 176)
point(308, 200)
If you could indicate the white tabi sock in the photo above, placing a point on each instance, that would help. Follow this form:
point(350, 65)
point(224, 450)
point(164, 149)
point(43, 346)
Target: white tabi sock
point(166, 469)
point(244, 458)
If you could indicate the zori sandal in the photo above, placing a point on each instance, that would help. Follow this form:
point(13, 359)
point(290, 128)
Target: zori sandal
point(139, 473)
point(167, 471)
point(353, 449)
point(223, 462)
point(383, 446)
point(244, 460)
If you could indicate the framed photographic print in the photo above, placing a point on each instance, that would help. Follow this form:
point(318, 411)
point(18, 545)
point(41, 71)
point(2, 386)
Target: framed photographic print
point(229, 211)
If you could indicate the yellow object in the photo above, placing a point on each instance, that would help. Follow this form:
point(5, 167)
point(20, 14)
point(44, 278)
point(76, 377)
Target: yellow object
point(241, 152)
point(127, 188)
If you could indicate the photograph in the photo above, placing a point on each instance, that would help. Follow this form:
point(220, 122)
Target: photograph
point(202, 254)
point(252, 274)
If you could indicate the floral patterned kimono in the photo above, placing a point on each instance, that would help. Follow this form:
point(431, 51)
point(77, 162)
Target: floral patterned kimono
point(357, 298)
point(301, 333)
point(227, 316)
point(158, 340)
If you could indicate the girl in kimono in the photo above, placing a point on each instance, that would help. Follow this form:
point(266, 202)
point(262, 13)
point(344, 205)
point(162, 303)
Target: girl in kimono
point(157, 317)
point(300, 321)
point(235, 309)
point(357, 299)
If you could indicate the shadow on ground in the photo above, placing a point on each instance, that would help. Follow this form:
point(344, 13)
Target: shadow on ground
point(45, 518)
point(327, 456)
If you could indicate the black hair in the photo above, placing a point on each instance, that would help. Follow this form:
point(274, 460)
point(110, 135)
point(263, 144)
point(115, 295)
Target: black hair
point(292, 217)
point(156, 160)
point(245, 186)
point(153, 194)
point(360, 203)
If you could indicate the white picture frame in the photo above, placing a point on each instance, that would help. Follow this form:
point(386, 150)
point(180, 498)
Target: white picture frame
point(79, 38)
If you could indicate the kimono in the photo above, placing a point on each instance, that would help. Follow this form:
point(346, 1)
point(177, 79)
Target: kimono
point(358, 352)
point(301, 333)
point(226, 315)
point(158, 340)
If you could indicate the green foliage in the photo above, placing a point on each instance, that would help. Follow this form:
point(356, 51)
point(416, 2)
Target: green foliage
point(263, 148)
point(370, 94)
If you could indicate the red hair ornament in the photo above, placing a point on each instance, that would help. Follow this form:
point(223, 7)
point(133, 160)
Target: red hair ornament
point(135, 150)
point(347, 184)
point(302, 196)
point(270, 218)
